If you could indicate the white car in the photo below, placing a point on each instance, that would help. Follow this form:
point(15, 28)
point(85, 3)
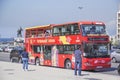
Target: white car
point(1, 49)
point(9, 48)
point(115, 56)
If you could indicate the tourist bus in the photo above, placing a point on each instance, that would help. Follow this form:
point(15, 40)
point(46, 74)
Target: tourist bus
point(54, 45)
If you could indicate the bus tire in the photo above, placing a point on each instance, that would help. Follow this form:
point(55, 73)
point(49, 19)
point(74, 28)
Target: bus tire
point(37, 62)
point(68, 64)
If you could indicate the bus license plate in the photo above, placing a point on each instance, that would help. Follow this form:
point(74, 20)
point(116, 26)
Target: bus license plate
point(99, 67)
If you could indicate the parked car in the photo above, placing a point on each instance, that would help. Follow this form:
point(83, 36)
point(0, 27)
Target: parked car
point(9, 48)
point(1, 49)
point(118, 69)
point(115, 56)
point(15, 55)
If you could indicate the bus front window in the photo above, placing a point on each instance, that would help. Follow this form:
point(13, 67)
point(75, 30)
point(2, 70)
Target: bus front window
point(96, 50)
point(93, 29)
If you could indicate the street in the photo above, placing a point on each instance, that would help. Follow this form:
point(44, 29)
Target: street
point(4, 56)
point(14, 71)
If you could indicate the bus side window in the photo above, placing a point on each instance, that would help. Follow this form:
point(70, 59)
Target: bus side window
point(33, 33)
point(36, 48)
point(47, 33)
point(60, 49)
point(27, 34)
point(40, 33)
point(67, 30)
point(77, 31)
point(60, 31)
point(63, 30)
point(74, 29)
point(55, 31)
point(68, 49)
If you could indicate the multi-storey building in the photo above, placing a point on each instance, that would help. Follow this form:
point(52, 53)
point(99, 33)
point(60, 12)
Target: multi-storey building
point(118, 25)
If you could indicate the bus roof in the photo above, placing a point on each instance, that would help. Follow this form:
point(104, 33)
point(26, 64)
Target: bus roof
point(39, 27)
point(81, 22)
point(50, 25)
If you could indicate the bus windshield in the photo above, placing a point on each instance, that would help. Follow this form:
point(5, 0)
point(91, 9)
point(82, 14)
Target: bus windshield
point(95, 50)
point(93, 29)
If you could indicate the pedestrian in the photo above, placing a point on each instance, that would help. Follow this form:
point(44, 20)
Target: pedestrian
point(78, 61)
point(118, 69)
point(25, 59)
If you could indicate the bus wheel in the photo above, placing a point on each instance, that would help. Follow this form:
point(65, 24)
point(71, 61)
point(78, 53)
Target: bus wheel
point(37, 62)
point(68, 64)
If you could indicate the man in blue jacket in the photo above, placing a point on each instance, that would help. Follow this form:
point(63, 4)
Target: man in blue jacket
point(78, 60)
point(25, 59)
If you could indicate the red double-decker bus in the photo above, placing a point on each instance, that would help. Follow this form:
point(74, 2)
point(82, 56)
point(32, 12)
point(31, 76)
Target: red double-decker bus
point(54, 44)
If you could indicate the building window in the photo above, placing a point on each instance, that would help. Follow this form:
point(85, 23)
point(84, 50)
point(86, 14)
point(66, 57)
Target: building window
point(118, 30)
point(119, 26)
point(118, 20)
point(118, 36)
point(118, 15)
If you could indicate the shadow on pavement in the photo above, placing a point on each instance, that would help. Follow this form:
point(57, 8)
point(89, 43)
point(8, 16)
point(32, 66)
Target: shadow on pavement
point(10, 73)
point(103, 70)
point(107, 70)
point(84, 74)
point(92, 79)
point(9, 69)
point(31, 70)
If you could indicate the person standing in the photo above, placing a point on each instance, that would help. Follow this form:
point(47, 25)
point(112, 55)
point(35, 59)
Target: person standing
point(78, 61)
point(25, 59)
point(118, 69)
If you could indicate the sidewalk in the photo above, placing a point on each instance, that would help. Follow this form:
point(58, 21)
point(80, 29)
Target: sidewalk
point(13, 71)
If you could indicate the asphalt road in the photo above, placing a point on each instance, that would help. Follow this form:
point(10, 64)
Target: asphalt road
point(4, 56)
point(15, 72)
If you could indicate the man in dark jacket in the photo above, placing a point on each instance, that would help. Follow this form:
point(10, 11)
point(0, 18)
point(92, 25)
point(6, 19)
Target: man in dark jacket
point(78, 60)
point(25, 59)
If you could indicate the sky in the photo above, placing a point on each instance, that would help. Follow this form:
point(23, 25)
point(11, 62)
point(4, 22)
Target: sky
point(26, 13)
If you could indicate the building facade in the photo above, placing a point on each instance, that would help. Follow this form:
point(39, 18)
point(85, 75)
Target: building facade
point(118, 25)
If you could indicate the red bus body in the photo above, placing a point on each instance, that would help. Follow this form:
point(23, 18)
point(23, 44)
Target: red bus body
point(41, 49)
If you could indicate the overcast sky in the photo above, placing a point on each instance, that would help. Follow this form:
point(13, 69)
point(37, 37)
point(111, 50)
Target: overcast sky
point(26, 13)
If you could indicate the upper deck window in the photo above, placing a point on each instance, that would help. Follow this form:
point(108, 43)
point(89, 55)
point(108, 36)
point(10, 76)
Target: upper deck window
point(93, 29)
point(66, 30)
point(27, 34)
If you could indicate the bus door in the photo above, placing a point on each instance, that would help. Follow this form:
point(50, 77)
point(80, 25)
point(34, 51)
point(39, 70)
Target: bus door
point(47, 52)
point(35, 54)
